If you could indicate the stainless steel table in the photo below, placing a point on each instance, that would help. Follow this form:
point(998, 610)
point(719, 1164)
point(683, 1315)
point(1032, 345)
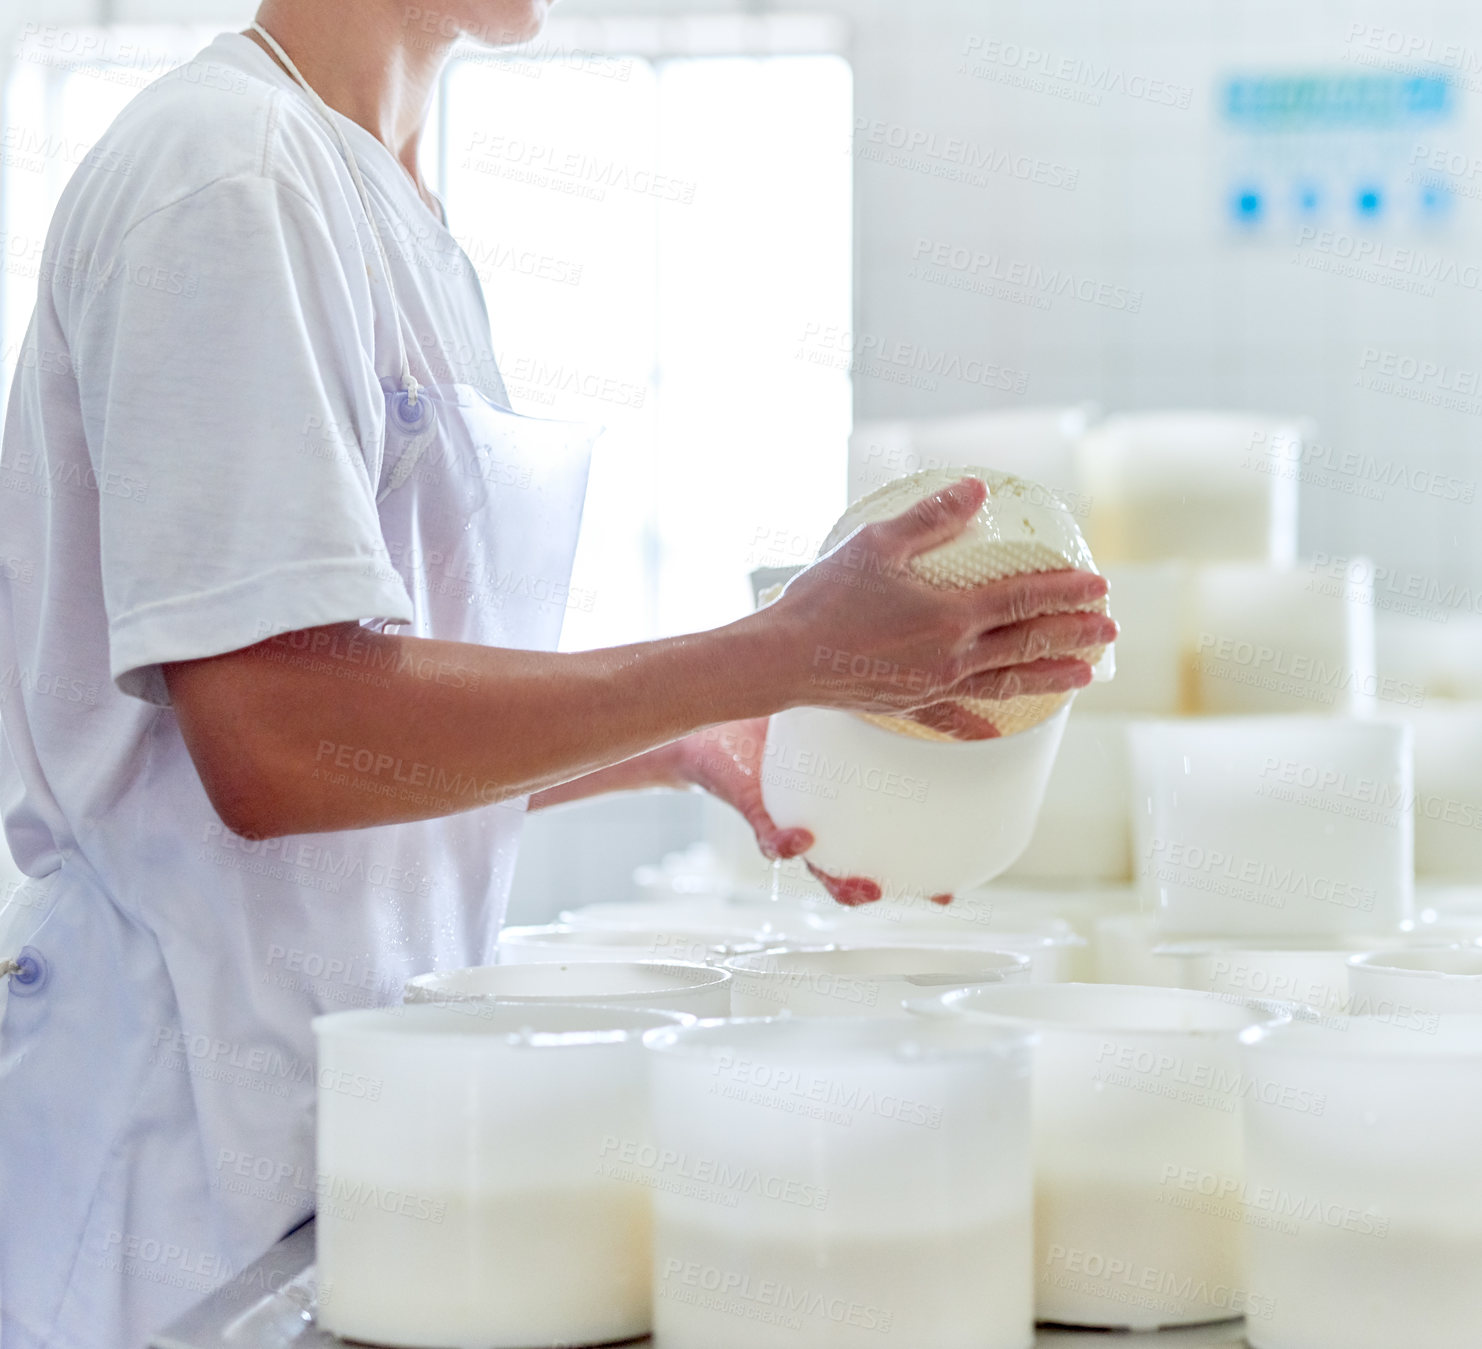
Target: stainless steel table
point(270, 1305)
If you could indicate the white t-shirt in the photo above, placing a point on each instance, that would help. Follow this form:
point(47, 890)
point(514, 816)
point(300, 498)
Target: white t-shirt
point(212, 384)
point(190, 461)
point(172, 475)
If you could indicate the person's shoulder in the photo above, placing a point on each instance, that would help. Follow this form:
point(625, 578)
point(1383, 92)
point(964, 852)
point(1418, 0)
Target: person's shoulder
point(218, 117)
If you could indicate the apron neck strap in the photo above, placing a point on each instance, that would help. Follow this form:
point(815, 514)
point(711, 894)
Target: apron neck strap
point(408, 382)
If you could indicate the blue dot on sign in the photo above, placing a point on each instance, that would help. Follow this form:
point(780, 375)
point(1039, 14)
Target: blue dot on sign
point(1247, 204)
point(1434, 200)
point(1369, 200)
point(1308, 198)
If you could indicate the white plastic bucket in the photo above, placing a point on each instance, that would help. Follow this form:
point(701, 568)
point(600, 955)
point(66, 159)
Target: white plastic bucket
point(1148, 600)
point(725, 920)
point(1367, 1203)
point(1084, 829)
point(1315, 975)
point(1190, 484)
point(920, 817)
point(1274, 826)
point(467, 1197)
point(699, 990)
point(860, 980)
point(560, 943)
point(853, 1183)
point(1125, 951)
point(1426, 982)
point(1134, 1090)
point(1280, 640)
point(1054, 947)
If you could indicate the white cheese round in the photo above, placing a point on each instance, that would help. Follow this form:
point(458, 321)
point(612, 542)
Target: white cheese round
point(1020, 527)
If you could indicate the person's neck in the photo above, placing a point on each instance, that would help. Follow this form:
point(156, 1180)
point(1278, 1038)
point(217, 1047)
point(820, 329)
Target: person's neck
point(368, 64)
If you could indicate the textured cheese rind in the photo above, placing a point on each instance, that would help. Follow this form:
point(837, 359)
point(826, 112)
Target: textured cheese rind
point(1020, 527)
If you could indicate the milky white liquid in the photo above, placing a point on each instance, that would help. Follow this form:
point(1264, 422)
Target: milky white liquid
point(543, 1267)
point(969, 1288)
point(1113, 1255)
point(1331, 1289)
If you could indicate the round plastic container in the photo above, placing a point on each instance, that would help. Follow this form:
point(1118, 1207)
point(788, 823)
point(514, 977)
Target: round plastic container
point(860, 980)
point(1447, 915)
point(1136, 1096)
point(1052, 945)
point(1188, 484)
point(559, 943)
point(1291, 826)
point(1261, 639)
point(1083, 832)
point(722, 920)
point(469, 1192)
point(699, 990)
point(1363, 1190)
point(1316, 975)
point(1148, 600)
point(1423, 982)
point(920, 817)
point(850, 1183)
point(1126, 949)
point(1019, 907)
point(1448, 785)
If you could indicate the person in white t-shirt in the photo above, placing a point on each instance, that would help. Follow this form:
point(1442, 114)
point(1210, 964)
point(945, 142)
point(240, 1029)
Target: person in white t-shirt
point(272, 707)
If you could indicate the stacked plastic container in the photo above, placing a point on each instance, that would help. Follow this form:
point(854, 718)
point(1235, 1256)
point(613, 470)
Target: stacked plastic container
point(1281, 810)
point(1207, 792)
point(1274, 799)
point(867, 1184)
point(925, 1125)
point(480, 1174)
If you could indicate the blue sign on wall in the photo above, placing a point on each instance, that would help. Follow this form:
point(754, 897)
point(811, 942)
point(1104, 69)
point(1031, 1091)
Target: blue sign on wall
point(1307, 146)
point(1304, 102)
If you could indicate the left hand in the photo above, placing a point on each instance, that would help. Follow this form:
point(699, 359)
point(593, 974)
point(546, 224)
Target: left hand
point(726, 761)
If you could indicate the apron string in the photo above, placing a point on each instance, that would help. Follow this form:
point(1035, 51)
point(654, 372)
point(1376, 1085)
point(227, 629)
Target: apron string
point(408, 382)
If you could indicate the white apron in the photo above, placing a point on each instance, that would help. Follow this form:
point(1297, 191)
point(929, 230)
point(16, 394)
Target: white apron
point(157, 1078)
point(156, 1060)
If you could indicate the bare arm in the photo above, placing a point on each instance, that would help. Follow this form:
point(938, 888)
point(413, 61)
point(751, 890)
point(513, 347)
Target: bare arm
point(662, 767)
point(342, 728)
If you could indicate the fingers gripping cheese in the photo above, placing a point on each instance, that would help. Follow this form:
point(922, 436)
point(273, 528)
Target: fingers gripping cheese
point(1020, 527)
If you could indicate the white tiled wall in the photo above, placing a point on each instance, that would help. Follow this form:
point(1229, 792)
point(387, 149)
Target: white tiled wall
point(1225, 320)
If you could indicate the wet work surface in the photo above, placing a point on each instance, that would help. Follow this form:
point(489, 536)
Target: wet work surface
point(270, 1305)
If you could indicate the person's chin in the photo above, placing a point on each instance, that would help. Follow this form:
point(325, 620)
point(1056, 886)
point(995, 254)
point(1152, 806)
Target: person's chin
point(513, 34)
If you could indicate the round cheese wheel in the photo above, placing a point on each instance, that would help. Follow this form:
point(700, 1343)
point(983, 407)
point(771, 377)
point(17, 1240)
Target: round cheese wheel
point(1020, 527)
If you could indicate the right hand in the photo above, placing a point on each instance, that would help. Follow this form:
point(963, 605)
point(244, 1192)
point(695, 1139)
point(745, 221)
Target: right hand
point(865, 635)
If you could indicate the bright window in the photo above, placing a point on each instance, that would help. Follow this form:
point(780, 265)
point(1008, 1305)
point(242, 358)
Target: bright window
point(655, 235)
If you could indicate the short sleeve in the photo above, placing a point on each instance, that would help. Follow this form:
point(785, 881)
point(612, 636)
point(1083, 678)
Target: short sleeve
point(234, 418)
